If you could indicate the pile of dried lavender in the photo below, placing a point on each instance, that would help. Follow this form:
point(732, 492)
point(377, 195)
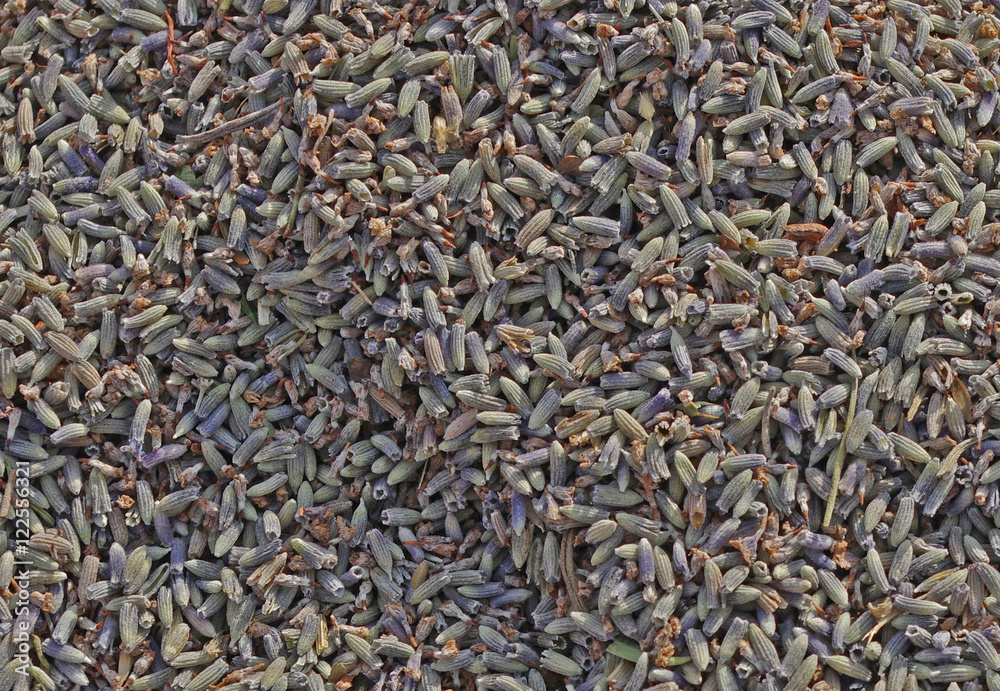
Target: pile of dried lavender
point(516, 344)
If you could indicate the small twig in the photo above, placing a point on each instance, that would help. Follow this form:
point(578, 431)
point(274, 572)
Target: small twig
point(171, 43)
point(839, 454)
point(569, 572)
point(200, 138)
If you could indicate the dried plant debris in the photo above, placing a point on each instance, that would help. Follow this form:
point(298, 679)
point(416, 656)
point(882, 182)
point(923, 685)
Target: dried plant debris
point(499, 344)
